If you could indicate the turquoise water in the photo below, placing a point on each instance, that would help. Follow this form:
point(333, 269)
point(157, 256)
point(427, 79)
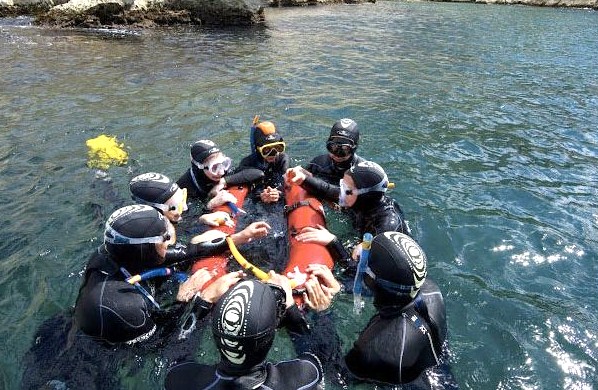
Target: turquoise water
point(485, 117)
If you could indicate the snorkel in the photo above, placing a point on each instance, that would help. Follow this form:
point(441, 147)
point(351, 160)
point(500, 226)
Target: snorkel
point(261, 275)
point(366, 244)
point(256, 120)
point(140, 288)
point(156, 272)
point(258, 273)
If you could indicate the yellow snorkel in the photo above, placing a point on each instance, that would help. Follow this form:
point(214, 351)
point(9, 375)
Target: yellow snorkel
point(261, 275)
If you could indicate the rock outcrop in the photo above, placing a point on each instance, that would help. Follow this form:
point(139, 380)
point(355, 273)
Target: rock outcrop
point(137, 13)
point(148, 13)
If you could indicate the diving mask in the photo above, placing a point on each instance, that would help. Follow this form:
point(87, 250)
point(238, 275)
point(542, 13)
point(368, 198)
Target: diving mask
point(272, 149)
point(217, 167)
point(346, 191)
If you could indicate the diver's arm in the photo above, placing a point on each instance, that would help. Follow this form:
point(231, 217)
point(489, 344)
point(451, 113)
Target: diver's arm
point(321, 340)
point(321, 188)
point(244, 176)
point(180, 254)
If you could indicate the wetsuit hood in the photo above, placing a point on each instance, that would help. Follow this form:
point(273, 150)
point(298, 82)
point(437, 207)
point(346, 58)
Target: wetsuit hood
point(263, 133)
point(244, 324)
point(202, 149)
point(152, 188)
point(397, 268)
point(127, 229)
point(345, 130)
point(371, 178)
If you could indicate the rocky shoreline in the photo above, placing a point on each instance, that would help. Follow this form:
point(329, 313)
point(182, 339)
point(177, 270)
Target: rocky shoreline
point(151, 13)
point(589, 4)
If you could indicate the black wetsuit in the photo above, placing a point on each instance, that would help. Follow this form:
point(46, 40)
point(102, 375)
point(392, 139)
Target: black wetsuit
point(383, 216)
point(273, 173)
point(198, 185)
point(304, 372)
point(183, 255)
point(324, 184)
point(398, 344)
point(113, 310)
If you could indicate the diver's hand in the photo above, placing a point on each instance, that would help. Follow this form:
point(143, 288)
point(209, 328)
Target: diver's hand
point(319, 292)
point(318, 235)
point(255, 230)
point(285, 283)
point(221, 198)
point(214, 291)
point(356, 254)
point(328, 282)
point(217, 188)
point(217, 218)
point(295, 175)
point(270, 195)
point(193, 285)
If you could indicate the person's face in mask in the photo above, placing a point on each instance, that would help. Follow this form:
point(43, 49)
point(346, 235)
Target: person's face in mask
point(348, 196)
point(169, 239)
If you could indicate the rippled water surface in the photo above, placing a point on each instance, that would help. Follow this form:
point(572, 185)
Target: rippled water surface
point(486, 118)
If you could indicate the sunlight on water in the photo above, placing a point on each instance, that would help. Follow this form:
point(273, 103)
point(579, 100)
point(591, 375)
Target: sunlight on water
point(483, 116)
point(576, 372)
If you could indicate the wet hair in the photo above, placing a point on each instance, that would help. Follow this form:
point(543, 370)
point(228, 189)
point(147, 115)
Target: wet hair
point(135, 222)
point(345, 130)
point(244, 325)
point(400, 268)
point(152, 188)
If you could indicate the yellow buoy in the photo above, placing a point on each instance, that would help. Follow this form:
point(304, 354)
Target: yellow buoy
point(104, 151)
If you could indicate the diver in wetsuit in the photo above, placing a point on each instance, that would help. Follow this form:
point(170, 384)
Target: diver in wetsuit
point(362, 191)
point(267, 194)
point(321, 176)
point(159, 192)
point(210, 173)
point(268, 155)
point(244, 325)
point(406, 334)
point(136, 239)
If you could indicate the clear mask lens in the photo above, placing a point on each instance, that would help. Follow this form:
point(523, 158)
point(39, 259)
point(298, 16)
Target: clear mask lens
point(219, 167)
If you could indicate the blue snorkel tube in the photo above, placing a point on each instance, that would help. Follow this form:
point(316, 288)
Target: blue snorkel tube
point(140, 288)
point(152, 273)
point(366, 244)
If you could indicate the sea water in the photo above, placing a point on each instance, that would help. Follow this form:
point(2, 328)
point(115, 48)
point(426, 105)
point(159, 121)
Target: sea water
point(485, 117)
